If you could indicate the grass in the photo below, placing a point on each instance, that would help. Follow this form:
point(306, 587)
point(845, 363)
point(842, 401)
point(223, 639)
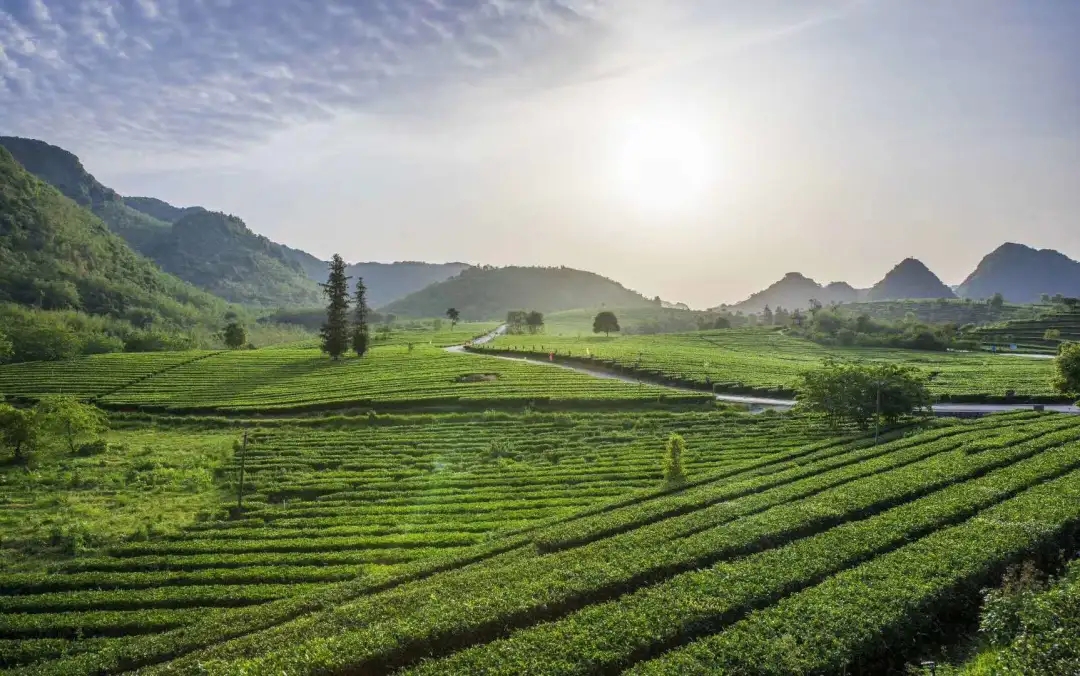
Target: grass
point(148, 482)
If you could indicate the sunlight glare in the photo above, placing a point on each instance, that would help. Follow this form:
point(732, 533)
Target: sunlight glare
point(662, 163)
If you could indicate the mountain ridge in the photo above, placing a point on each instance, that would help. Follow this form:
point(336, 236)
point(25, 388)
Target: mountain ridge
point(1022, 274)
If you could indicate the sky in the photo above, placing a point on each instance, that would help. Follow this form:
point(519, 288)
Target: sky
point(696, 150)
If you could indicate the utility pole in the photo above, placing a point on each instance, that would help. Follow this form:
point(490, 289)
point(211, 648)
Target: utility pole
point(240, 490)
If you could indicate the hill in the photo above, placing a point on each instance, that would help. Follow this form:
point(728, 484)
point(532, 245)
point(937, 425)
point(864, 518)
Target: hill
point(909, 279)
point(388, 282)
point(1022, 274)
point(215, 252)
point(159, 209)
point(55, 255)
point(489, 292)
point(219, 253)
point(795, 291)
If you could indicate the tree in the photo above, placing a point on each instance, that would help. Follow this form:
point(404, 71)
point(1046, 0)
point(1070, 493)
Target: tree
point(535, 321)
point(673, 469)
point(19, 430)
point(722, 323)
point(335, 332)
point(767, 316)
point(863, 393)
point(7, 350)
point(453, 315)
point(360, 319)
point(234, 335)
point(1052, 334)
point(605, 322)
point(73, 421)
point(515, 321)
point(997, 301)
point(1067, 369)
point(1044, 298)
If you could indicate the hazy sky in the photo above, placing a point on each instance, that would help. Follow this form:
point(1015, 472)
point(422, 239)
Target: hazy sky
point(695, 150)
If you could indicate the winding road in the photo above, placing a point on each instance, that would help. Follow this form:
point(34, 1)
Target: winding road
point(755, 403)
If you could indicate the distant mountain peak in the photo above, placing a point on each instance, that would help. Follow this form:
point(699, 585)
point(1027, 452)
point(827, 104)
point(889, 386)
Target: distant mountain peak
point(1022, 274)
point(910, 278)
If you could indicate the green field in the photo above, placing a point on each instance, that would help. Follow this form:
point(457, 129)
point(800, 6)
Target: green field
point(548, 543)
point(737, 360)
point(297, 379)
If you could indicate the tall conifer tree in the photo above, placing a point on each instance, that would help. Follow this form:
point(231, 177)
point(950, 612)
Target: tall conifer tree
point(335, 332)
point(360, 313)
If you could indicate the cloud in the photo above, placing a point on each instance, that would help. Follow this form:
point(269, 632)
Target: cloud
point(160, 75)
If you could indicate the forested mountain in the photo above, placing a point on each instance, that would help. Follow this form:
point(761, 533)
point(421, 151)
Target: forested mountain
point(909, 279)
point(56, 255)
point(214, 251)
point(159, 209)
point(795, 291)
point(217, 252)
point(1022, 274)
point(489, 292)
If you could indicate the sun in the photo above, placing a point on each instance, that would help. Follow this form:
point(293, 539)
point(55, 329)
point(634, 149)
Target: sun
point(662, 163)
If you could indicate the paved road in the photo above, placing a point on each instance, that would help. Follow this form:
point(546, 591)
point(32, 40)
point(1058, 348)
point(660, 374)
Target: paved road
point(753, 402)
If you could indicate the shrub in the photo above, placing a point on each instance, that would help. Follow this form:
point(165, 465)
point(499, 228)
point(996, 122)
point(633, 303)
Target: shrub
point(673, 469)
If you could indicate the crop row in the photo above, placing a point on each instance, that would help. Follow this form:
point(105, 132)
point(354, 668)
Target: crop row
point(858, 618)
point(480, 603)
point(616, 634)
point(763, 360)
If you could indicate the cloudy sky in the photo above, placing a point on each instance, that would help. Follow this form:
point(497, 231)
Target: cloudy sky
point(695, 150)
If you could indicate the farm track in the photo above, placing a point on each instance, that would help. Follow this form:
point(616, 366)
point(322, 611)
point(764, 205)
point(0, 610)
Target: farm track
point(759, 403)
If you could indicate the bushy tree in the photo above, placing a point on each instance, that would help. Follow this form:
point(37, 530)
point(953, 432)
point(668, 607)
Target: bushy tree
point(515, 321)
point(1067, 368)
point(335, 331)
point(535, 321)
point(997, 301)
point(673, 452)
point(1052, 334)
point(863, 393)
point(360, 319)
point(234, 335)
point(605, 322)
point(453, 315)
point(74, 422)
point(7, 351)
point(19, 430)
point(767, 316)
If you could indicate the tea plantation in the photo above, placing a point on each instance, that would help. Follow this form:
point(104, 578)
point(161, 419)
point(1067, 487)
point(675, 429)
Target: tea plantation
point(419, 511)
point(769, 362)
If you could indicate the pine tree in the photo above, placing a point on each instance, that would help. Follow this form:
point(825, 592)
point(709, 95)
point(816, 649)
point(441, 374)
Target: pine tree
point(360, 313)
point(335, 332)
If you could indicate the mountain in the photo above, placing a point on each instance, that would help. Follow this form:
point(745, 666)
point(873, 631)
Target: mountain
point(795, 291)
point(488, 293)
point(1022, 274)
point(387, 282)
point(56, 255)
point(219, 253)
point(909, 279)
point(155, 208)
point(211, 250)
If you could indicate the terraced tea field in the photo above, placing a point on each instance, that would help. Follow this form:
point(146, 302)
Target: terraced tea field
point(768, 362)
point(548, 544)
point(296, 379)
point(361, 506)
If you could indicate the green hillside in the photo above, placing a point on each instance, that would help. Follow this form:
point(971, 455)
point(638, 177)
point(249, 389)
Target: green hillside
point(215, 252)
point(489, 292)
point(941, 310)
point(57, 256)
point(1041, 335)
